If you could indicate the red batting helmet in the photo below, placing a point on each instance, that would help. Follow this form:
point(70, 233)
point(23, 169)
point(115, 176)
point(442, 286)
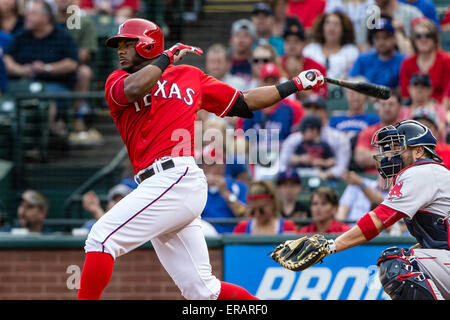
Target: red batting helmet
point(150, 39)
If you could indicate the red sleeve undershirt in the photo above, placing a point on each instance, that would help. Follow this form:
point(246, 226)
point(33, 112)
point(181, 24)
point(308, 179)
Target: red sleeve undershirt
point(387, 215)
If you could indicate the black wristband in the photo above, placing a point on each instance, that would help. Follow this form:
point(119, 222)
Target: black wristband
point(287, 88)
point(162, 62)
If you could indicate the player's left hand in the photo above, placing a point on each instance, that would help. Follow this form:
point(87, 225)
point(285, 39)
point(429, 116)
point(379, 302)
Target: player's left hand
point(309, 79)
point(300, 254)
point(176, 52)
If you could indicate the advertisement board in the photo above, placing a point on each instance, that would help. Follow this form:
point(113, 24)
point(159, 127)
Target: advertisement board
point(347, 275)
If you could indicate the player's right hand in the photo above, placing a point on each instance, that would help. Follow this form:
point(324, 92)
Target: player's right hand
point(176, 52)
point(309, 79)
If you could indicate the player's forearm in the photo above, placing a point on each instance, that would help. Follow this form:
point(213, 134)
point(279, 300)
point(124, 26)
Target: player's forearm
point(140, 83)
point(349, 239)
point(262, 97)
point(356, 236)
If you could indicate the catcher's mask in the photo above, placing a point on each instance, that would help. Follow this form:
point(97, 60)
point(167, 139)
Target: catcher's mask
point(392, 141)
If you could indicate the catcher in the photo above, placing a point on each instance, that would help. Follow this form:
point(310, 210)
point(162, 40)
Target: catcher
point(420, 195)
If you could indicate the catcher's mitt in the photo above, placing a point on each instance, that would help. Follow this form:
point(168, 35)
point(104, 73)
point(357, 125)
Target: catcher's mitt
point(297, 255)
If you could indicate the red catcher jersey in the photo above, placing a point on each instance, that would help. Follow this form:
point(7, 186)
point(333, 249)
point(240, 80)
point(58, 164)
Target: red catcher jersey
point(162, 123)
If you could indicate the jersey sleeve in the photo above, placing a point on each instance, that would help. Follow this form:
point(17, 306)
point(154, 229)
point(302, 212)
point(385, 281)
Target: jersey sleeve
point(408, 194)
point(114, 91)
point(217, 97)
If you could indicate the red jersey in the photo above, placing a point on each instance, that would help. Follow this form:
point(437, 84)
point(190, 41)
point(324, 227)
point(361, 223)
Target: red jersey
point(306, 11)
point(162, 122)
point(439, 74)
point(285, 226)
point(335, 227)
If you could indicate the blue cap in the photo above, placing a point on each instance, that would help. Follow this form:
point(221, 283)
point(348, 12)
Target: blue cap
point(262, 7)
point(382, 24)
point(289, 175)
point(385, 24)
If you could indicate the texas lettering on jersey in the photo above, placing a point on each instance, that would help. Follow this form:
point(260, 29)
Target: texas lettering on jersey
point(165, 90)
point(162, 122)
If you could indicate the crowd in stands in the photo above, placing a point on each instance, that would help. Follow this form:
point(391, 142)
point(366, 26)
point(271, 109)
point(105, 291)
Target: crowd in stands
point(312, 141)
point(54, 42)
point(387, 42)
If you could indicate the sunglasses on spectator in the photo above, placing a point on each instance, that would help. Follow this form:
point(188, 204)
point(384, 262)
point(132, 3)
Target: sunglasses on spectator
point(261, 60)
point(427, 35)
point(260, 210)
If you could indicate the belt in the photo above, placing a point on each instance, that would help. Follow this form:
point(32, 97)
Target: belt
point(150, 172)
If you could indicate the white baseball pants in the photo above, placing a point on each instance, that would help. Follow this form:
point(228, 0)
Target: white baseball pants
point(164, 209)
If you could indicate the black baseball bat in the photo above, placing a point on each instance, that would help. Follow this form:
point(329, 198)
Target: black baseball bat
point(370, 89)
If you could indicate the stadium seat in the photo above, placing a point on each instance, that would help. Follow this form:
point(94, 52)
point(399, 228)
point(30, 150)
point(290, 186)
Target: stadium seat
point(104, 61)
point(7, 121)
point(336, 101)
point(30, 125)
point(445, 40)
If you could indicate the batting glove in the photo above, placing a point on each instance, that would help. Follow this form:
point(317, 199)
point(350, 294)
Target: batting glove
point(309, 79)
point(176, 52)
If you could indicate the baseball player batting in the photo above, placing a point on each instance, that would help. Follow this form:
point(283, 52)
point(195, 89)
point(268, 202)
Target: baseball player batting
point(149, 99)
point(421, 196)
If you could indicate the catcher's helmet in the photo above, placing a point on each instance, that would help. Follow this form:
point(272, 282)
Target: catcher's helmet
point(150, 39)
point(392, 141)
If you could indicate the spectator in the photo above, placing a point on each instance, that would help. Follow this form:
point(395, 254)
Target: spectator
point(333, 44)
point(29, 57)
point(427, 8)
point(446, 104)
point(428, 58)
point(389, 114)
point(381, 65)
point(272, 126)
point(355, 9)
point(293, 61)
point(279, 8)
point(120, 9)
point(445, 21)
point(242, 36)
point(31, 213)
point(5, 39)
point(11, 20)
point(402, 15)
point(279, 118)
point(312, 152)
point(428, 117)
point(86, 38)
point(324, 206)
point(264, 209)
point(261, 55)
point(226, 196)
point(306, 11)
point(360, 196)
point(289, 186)
point(420, 89)
point(263, 19)
point(91, 202)
point(337, 140)
point(218, 65)
point(217, 127)
point(356, 118)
